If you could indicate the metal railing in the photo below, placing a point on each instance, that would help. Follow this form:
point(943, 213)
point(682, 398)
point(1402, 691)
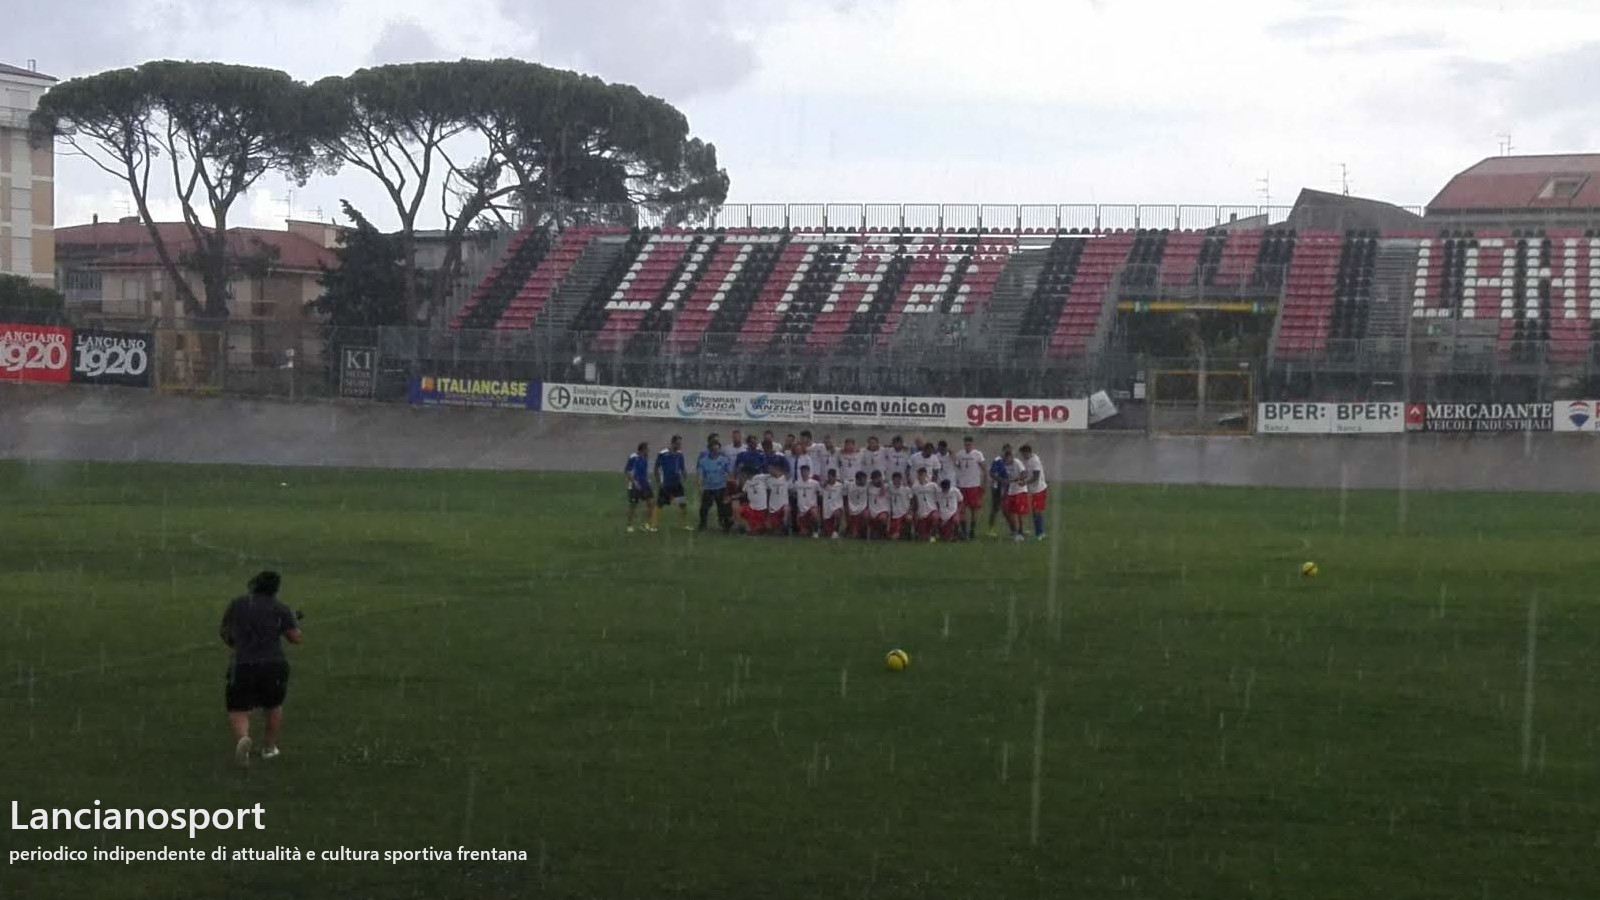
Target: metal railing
point(934, 217)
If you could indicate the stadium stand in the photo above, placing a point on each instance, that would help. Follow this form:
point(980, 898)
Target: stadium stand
point(1523, 294)
point(504, 281)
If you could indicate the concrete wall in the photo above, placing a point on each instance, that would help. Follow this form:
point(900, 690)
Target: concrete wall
point(67, 423)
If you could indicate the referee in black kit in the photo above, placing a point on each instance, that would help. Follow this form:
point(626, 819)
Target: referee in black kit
point(258, 673)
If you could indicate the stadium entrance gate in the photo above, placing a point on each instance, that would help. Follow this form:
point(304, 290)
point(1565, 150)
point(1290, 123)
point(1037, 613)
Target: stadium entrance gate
point(1200, 401)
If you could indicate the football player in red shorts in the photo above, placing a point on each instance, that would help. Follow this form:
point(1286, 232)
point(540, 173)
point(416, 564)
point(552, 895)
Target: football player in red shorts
point(832, 505)
point(877, 506)
point(857, 499)
point(901, 499)
point(950, 507)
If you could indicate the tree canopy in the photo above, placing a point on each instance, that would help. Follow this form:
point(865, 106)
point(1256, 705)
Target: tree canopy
point(483, 138)
point(213, 129)
point(23, 301)
point(367, 288)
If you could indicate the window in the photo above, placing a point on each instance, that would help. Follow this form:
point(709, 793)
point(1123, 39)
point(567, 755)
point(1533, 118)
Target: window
point(22, 255)
point(1562, 187)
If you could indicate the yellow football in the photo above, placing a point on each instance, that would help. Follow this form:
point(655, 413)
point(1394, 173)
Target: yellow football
point(1309, 570)
point(897, 660)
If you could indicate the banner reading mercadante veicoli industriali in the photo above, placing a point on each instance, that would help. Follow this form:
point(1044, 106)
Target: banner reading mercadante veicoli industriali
point(1330, 418)
point(492, 393)
point(35, 353)
point(1479, 418)
point(112, 357)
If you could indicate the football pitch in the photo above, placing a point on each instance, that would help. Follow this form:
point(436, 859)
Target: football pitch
point(1152, 704)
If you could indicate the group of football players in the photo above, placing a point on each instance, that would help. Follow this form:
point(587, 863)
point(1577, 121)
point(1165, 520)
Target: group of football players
point(797, 486)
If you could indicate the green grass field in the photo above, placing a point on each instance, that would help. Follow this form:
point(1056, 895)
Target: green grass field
point(491, 662)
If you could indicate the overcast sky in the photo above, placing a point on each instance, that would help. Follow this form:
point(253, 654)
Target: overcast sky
point(1001, 101)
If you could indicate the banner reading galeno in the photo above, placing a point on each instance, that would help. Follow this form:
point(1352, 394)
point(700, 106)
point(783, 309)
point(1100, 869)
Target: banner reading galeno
point(876, 411)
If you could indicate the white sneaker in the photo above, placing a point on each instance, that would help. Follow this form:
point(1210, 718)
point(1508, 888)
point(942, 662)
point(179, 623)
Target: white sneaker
point(835, 535)
point(270, 752)
point(651, 529)
point(1018, 537)
point(241, 752)
point(1039, 536)
point(688, 528)
point(630, 529)
point(814, 535)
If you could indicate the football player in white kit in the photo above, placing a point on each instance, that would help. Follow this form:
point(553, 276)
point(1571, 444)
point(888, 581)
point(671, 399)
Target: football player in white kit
point(807, 502)
point(877, 506)
point(857, 496)
point(832, 505)
point(926, 490)
point(970, 474)
point(900, 500)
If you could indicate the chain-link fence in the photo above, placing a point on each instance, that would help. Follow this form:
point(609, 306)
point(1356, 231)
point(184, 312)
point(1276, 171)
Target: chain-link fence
point(294, 362)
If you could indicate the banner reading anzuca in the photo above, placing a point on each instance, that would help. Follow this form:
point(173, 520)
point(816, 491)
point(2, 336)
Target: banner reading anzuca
point(1479, 418)
point(493, 393)
point(981, 413)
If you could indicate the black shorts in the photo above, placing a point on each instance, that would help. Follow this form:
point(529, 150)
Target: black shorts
point(637, 494)
point(669, 493)
point(259, 685)
point(997, 497)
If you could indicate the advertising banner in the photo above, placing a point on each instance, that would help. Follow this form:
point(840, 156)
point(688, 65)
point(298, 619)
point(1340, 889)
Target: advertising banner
point(1581, 416)
point(863, 410)
point(1100, 407)
point(1369, 418)
point(1330, 418)
point(112, 357)
point(742, 406)
point(605, 400)
point(1479, 418)
point(491, 393)
point(358, 372)
point(1294, 418)
point(35, 353)
point(1004, 413)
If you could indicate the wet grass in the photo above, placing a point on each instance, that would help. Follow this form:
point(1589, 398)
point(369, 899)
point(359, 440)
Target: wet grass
point(491, 662)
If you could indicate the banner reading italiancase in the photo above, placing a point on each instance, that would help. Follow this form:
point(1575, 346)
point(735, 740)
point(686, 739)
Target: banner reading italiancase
point(492, 393)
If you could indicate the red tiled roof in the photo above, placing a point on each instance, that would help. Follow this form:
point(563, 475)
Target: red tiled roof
point(115, 234)
point(1515, 182)
point(25, 73)
point(130, 245)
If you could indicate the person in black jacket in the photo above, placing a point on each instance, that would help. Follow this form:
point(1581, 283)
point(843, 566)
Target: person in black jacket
point(254, 627)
